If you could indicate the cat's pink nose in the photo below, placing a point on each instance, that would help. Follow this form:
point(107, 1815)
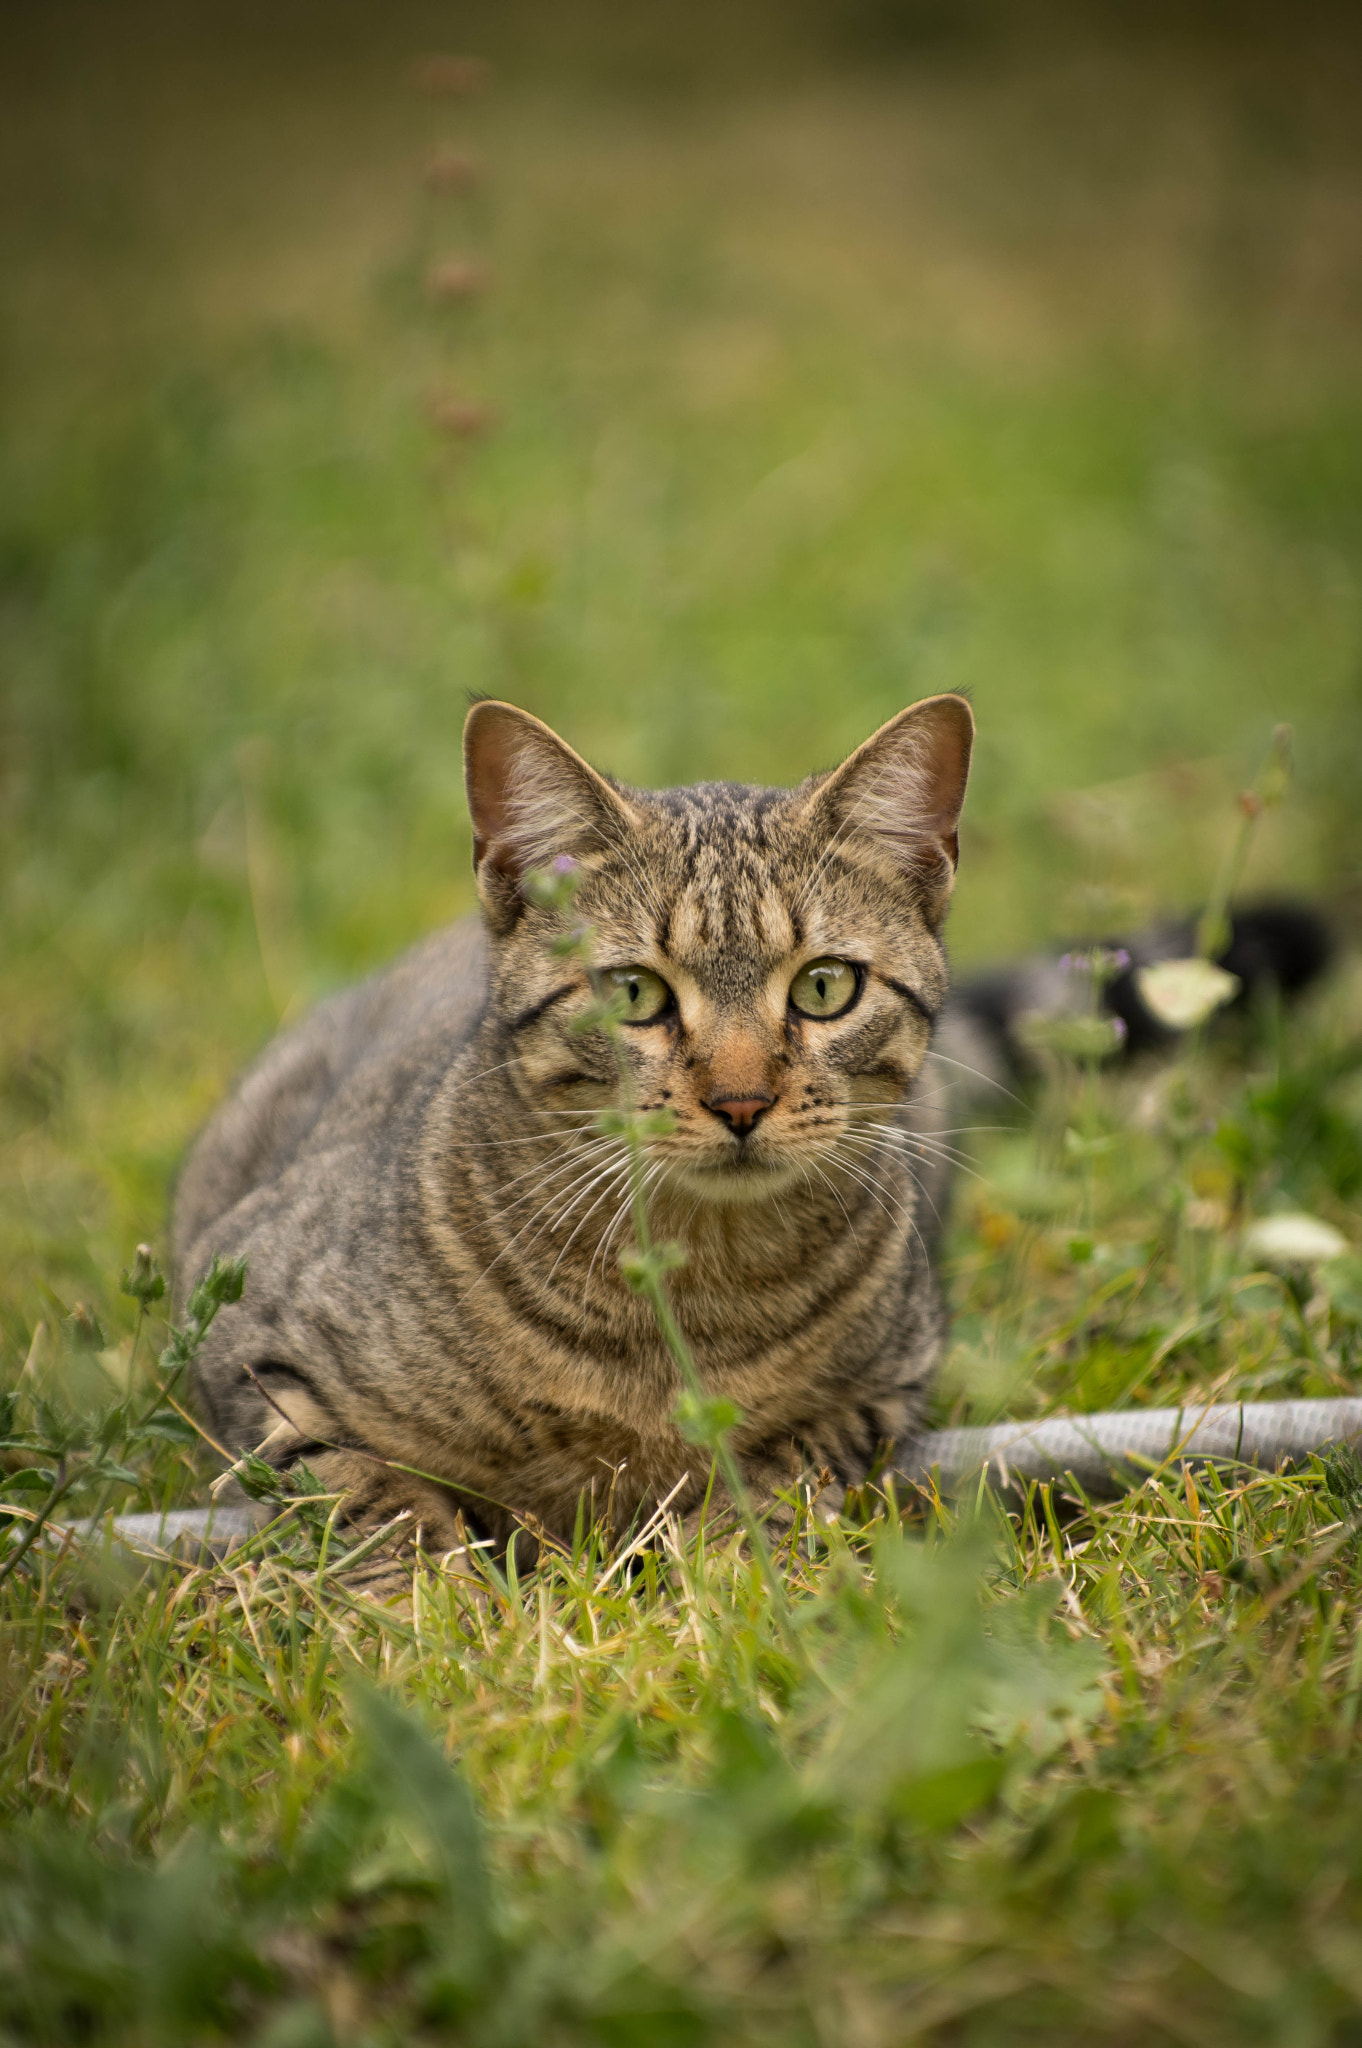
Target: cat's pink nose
point(739, 1112)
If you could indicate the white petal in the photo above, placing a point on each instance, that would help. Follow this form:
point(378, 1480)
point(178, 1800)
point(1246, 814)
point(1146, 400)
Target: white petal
point(1293, 1240)
point(1183, 993)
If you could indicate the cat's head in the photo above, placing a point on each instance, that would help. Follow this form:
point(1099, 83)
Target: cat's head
point(777, 951)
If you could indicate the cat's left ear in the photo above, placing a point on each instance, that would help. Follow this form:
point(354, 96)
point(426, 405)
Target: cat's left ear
point(903, 789)
point(530, 799)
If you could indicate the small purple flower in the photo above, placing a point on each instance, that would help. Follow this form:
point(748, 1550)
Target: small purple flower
point(564, 864)
point(1120, 959)
point(1066, 963)
point(1118, 1027)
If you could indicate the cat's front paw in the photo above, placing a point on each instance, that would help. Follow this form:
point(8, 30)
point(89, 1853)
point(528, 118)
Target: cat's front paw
point(416, 1514)
point(782, 1498)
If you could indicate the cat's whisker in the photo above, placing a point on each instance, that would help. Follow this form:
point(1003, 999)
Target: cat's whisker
point(876, 1148)
point(654, 1177)
point(896, 1221)
point(612, 1180)
point(905, 1156)
point(947, 1131)
point(604, 1239)
point(989, 1080)
point(903, 1163)
point(909, 1144)
point(835, 1192)
point(511, 1243)
point(576, 1193)
point(923, 1191)
point(907, 1161)
point(938, 1141)
point(569, 1144)
point(836, 1195)
point(624, 1209)
point(923, 1142)
point(541, 1184)
point(861, 1171)
point(500, 1068)
point(534, 1222)
point(888, 1142)
point(577, 1158)
point(603, 1247)
point(507, 1144)
point(928, 1098)
point(884, 1197)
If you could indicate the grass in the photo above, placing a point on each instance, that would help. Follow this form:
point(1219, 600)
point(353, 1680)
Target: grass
point(1081, 1771)
point(822, 370)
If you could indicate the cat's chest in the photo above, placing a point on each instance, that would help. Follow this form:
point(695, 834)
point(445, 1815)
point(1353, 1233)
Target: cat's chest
point(786, 1348)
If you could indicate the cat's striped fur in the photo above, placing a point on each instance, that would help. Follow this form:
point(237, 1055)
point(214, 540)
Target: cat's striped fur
point(433, 1221)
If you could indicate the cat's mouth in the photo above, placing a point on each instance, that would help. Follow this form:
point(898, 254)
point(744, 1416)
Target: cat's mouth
point(739, 1176)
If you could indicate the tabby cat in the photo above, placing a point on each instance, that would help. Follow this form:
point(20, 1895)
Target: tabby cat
point(433, 1218)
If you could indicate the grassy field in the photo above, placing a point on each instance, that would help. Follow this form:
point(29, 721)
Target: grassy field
point(736, 378)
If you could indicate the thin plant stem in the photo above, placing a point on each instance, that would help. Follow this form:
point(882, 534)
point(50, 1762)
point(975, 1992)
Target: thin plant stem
point(652, 1285)
point(1268, 788)
point(645, 1269)
point(56, 1494)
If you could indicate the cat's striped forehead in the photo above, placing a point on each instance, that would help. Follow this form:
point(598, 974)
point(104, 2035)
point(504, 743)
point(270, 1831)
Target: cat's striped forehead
point(732, 823)
point(722, 866)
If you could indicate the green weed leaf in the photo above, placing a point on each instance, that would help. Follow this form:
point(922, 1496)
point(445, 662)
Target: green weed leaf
point(437, 1802)
point(706, 1420)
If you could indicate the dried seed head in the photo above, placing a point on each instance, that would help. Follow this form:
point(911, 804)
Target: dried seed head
point(464, 419)
point(456, 277)
point(449, 77)
point(84, 1328)
point(143, 1279)
point(452, 170)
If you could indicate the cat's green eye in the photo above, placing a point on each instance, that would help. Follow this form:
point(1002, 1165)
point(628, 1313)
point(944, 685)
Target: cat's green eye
point(824, 988)
point(646, 995)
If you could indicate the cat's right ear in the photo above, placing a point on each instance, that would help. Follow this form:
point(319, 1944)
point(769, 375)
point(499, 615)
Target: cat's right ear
point(530, 799)
point(901, 793)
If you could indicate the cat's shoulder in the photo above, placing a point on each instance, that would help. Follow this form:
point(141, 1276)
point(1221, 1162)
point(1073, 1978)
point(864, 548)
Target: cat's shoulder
point(342, 1068)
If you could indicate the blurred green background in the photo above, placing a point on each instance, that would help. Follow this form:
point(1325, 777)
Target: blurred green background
point(737, 375)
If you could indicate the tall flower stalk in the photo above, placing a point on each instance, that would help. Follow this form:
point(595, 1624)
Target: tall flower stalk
point(1182, 994)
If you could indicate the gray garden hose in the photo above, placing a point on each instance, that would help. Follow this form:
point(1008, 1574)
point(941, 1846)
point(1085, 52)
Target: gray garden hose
point(1108, 1454)
point(179, 1532)
point(1111, 1452)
